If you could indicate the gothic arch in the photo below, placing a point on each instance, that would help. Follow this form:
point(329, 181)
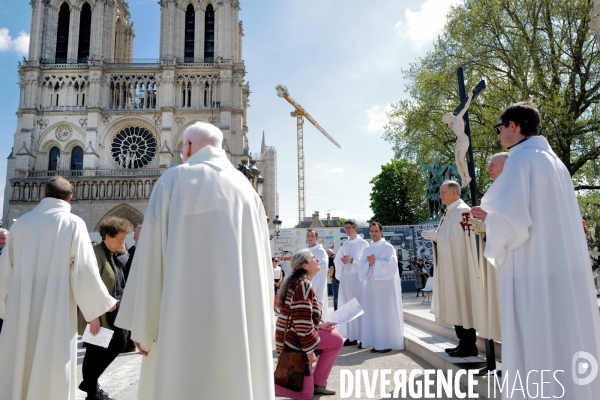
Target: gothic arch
point(50, 144)
point(47, 135)
point(71, 144)
point(124, 211)
point(205, 4)
point(73, 3)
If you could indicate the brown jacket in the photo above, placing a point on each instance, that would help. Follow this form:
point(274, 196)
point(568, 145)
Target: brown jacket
point(108, 278)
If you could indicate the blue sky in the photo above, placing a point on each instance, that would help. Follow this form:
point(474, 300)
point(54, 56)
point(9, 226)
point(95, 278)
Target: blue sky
point(341, 60)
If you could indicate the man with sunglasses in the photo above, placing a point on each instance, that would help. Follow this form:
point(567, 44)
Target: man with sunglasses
point(550, 319)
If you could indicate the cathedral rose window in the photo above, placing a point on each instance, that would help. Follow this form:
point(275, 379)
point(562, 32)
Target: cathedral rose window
point(133, 147)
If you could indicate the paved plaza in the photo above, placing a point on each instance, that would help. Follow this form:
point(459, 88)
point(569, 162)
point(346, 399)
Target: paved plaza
point(122, 377)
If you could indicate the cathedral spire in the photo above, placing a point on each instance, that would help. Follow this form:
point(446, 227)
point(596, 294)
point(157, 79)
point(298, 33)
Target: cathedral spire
point(263, 146)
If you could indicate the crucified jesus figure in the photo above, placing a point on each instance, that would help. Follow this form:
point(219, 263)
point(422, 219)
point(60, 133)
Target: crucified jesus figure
point(457, 124)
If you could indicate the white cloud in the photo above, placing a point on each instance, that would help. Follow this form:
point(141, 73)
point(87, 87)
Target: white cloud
point(377, 117)
point(20, 44)
point(337, 170)
point(5, 40)
point(423, 25)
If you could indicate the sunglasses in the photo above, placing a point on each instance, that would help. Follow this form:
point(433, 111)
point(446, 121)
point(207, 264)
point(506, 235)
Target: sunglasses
point(497, 127)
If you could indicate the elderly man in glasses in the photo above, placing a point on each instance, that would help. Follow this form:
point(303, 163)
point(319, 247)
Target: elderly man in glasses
point(534, 236)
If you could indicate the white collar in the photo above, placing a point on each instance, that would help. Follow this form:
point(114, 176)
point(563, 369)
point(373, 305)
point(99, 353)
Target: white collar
point(379, 242)
point(354, 240)
point(50, 205)
point(211, 155)
point(454, 205)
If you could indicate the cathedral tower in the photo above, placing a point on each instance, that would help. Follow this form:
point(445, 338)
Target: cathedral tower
point(112, 126)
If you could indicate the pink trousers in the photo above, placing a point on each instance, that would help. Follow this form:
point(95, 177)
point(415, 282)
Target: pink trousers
point(331, 343)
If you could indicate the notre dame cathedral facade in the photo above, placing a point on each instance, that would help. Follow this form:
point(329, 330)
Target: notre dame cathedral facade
point(110, 125)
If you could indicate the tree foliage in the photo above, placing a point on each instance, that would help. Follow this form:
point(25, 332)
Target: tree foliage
point(398, 194)
point(539, 50)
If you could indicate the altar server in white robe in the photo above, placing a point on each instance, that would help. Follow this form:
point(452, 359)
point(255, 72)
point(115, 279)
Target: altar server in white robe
point(319, 281)
point(457, 277)
point(535, 237)
point(346, 271)
point(383, 322)
point(199, 297)
point(47, 269)
point(488, 321)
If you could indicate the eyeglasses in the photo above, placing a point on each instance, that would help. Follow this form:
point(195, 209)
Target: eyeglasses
point(497, 127)
point(181, 153)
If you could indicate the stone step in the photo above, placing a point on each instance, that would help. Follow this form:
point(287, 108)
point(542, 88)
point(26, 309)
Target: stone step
point(425, 320)
point(430, 347)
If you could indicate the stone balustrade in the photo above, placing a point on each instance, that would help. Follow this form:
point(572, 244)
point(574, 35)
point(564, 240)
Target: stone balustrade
point(117, 184)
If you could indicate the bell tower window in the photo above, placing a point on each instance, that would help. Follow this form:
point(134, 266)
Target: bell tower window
point(190, 24)
point(209, 34)
point(85, 28)
point(62, 34)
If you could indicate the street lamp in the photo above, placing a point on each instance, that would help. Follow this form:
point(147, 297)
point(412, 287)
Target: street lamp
point(276, 227)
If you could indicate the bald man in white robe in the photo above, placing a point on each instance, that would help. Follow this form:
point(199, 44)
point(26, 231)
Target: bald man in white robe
point(199, 297)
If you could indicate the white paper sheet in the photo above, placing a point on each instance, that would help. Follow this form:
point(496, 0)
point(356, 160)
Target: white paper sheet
point(348, 312)
point(102, 339)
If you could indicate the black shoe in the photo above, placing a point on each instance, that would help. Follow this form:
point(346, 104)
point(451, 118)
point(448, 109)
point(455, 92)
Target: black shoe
point(451, 349)
point(98, 397)
point(101, 393)
point(350, 342)
point(467, 352)
point(360, 345)
point(380, 351)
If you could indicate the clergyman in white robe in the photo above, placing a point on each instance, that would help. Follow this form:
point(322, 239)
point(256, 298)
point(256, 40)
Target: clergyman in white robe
point(382, 322)
point(47, 269)
point(350, 285)
point(200, 291)
point(457, 278)
point(319, 281)
point(536, 239)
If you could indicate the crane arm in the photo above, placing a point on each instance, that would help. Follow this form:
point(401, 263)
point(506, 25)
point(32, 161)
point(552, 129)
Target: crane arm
point(283, 92)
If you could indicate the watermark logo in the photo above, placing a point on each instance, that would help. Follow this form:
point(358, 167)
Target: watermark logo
point(585, 368)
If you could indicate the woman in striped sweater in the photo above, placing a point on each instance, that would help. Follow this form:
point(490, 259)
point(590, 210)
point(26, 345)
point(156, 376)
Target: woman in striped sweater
point(298, 300)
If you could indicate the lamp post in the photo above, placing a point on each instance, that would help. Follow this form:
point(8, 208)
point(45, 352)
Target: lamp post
point(276, 227)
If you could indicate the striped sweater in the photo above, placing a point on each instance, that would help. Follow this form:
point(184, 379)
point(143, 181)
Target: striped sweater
point(303, 331)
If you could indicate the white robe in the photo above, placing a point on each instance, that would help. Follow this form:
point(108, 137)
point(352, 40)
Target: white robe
point(536, 239)
point(47, 269)
point(350, 285)
point(488, 322)
point(456, 279)
point(319, 281)
point(382, 322)
point(200, 290)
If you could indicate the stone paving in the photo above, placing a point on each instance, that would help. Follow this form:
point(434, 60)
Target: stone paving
point(122, 377)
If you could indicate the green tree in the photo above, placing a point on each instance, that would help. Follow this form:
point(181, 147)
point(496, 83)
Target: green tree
point(539, 50)
point(398, 194)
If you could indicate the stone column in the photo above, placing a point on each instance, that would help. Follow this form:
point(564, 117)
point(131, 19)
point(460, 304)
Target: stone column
point(97, 30)
point(74, 34)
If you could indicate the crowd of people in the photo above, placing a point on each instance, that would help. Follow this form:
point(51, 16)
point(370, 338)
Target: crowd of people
point(200, 311)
